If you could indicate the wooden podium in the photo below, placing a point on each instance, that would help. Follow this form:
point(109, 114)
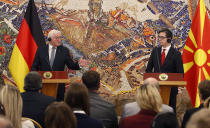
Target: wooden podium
point(166, 82)
point(51, 80)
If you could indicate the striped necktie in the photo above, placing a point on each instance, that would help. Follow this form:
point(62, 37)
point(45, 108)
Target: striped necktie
point(52, 56)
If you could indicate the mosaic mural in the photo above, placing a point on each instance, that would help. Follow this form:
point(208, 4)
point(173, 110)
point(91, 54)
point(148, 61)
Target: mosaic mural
point(116, 36)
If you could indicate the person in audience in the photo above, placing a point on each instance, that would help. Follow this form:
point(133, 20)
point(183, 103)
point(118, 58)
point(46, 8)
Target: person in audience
point(204, 93)
point(150, 102)
point(11, 99)
point(165, 120)
point(200, 119)
point(5, 123)
point(99, 108)
point(78, 99)
point(59, 115)
point(34, 102)
point(133, 108)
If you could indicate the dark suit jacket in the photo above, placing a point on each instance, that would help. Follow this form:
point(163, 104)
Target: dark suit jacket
point(84, 121)
point(62, 58)
point(141, 120)
point(34, 105)
point(173, 62)
point(188, 114)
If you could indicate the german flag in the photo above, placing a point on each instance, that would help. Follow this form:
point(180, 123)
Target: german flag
point(196, 54)
point(30, 37)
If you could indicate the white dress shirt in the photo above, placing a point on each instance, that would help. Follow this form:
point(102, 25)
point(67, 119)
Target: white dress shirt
point(166, 50)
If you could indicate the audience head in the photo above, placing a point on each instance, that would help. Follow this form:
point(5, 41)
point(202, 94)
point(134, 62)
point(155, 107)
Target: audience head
point(150, 96)
point(5, 123)
point(165, 120)
point(200, 119)
point(91, 79)
point(12, 101)
point(204, 89)
point(59, 115)
point(151, 81)
point(33, 81)
point(54, 37)
point(77, 97)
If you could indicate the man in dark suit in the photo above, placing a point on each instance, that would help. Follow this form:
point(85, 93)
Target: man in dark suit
point(166, 59)
point(34, 102)
point(204, 93)
point(54, 57)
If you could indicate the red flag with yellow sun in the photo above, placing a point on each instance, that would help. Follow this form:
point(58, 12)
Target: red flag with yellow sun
point(196, 54)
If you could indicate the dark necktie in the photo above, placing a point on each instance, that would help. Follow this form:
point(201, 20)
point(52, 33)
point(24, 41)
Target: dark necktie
point(52, 56)
point(163, 56)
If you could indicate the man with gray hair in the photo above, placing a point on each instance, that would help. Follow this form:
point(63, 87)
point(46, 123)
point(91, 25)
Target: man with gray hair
point(133, 108)
point(34, 102)
point(53, 57)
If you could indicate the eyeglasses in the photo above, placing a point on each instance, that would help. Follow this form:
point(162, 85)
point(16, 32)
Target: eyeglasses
point(58, 37)
point(161, 37)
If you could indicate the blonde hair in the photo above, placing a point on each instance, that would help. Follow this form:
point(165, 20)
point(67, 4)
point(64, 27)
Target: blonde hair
point(148, 98)
point(11, 99)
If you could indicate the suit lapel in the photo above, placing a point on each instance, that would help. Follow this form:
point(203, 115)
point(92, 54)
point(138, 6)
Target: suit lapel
point(46, 54)
point(159, 55)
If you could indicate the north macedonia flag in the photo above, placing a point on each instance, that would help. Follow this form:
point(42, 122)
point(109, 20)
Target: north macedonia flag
point(29, 38)
point(196, 54)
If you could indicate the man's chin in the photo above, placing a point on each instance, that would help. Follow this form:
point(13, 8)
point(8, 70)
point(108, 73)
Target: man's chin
point(58, 45)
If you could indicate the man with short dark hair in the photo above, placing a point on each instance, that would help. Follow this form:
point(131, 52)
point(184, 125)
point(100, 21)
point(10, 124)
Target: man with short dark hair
point(204, 93)
point(99, 108)
point(166, 59)
point(34, 102)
